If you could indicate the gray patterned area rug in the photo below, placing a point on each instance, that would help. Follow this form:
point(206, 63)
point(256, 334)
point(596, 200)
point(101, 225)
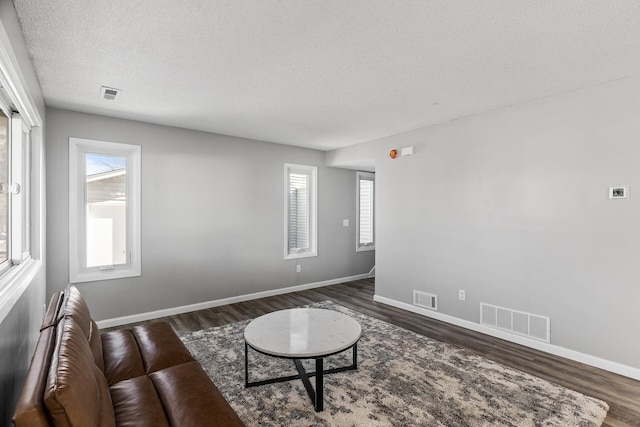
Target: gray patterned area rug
point(403, 379)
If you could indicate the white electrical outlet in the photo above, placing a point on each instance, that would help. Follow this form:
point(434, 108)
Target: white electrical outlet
point(462, 295)
point(621, 192)
point(298, 268)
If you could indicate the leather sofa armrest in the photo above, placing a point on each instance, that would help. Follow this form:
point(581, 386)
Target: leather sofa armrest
point(53, 310)
point(31, 411)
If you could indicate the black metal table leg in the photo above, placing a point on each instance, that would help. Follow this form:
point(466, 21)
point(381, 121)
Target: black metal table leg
point(316, 395)
point(246, 365)
point(319, 403)
point(304, 376)
point(355, 356)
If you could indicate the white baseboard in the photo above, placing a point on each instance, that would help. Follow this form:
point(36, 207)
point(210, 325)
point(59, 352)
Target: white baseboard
point(141, 317)
point(587, 359)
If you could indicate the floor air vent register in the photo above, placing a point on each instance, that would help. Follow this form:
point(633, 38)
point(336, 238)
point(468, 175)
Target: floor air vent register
point(425, 300)
point(517, 322)
point(505, 319)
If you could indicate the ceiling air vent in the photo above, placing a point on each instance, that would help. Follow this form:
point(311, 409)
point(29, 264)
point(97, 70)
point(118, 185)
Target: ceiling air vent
point(109, 93)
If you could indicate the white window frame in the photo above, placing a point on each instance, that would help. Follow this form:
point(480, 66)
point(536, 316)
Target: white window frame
point(17, 189)
point(22, 264)
point(20, 189)
point(312, 250)
point(78, 272)
point(365, 176)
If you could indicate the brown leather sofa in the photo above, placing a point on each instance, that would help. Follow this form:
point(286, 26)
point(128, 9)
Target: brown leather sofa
point(143, 376)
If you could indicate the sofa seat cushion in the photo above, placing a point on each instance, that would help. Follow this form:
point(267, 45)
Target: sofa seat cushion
point(122, 359)
point(190, 398)
point(160, 347)
point(136, 404)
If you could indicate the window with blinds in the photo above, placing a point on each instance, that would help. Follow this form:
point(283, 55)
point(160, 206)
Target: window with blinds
point(300, 211)
point(365, 207)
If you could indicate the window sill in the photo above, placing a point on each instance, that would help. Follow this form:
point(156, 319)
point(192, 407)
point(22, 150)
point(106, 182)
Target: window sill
point(365, 248)
point(14, 282)
point(98, 275)
point(301, 255)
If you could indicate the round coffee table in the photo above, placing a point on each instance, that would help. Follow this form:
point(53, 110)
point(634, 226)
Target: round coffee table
point(303, 333)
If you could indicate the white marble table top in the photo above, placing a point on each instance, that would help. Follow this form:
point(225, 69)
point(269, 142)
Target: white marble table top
point(302, 332)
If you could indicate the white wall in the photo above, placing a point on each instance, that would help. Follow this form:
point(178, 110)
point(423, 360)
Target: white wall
point(212, 217)
point(512, 206)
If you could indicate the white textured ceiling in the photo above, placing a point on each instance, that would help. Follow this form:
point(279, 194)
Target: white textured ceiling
point(322, 74)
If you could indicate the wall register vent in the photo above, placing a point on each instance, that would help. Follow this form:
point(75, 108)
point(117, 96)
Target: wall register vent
point(517, 322)
point(425, 300)
point(109, 93)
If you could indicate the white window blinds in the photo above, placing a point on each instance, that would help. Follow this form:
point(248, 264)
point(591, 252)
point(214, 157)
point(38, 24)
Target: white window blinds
point(300, 211)
point(366, 223)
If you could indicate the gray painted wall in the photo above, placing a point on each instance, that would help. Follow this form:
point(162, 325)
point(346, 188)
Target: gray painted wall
point(19, 329)
point(212, 216)
point(18, 333)
point(512, 206)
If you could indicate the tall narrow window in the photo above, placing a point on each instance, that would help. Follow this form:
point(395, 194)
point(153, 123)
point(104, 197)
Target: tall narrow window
point(300, 211)
point(365, 208)
point(14, 189)
point(104, 210)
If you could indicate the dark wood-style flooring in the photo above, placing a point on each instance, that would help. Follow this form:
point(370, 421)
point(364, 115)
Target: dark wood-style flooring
point(621, 393)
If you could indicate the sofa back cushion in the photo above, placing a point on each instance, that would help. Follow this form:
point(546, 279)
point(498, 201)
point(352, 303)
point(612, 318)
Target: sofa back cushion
point(159, 346)
point(76, 393)
point(76, 307)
